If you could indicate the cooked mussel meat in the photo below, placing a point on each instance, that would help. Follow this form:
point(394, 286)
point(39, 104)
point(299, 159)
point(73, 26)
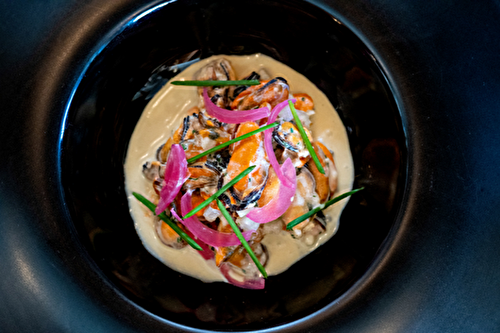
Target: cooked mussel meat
point(322, 180)
point(246, 153)
point(273, 92)
point(190, 126)
point(305, 199)
point(332, 170)
point(240, 89)
point(153, 170)
point(168, 236)
point(288, 136)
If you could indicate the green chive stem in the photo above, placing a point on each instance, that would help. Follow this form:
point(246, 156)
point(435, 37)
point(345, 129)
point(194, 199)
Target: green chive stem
point(165, 219)
point(210, 83)
point(219, 192)
point(305, 138)
point(307, 215)
point(240, 237)
point(225, 144)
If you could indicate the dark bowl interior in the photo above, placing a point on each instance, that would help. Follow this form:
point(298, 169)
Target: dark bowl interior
point(122, 79)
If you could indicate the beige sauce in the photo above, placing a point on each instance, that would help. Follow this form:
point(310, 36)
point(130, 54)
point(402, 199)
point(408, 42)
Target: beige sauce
point(163, 115)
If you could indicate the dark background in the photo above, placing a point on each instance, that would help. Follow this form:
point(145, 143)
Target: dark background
point(441, 272)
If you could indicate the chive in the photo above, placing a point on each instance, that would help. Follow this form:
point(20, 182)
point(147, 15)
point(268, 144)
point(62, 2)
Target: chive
point(210, 83)
point(307, 215)
point(219, 192)
point(240, 237)
point(305, 138)
point(225, 144)
point(165, 219)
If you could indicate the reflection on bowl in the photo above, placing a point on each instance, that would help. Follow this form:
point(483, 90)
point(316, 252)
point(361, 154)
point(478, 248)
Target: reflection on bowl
point(123, 78)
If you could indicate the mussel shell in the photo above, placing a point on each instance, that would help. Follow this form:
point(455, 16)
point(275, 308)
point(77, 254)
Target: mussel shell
point(152, 170)
point(215, 70)
point(239, 89)
point(158, 152)
point(241, 203)
point(204, 118)
point(283, 142)
point(277, 79)
point(177, 243)
point(202, 180)
point(218, 160)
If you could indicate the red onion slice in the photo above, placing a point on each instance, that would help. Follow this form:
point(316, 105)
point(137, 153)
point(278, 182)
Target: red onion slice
point(176, 174)
point(202, 232)
point(257, 283)
point(280, 203)
point(268, 144)
point(232, 116)
point(277, 109)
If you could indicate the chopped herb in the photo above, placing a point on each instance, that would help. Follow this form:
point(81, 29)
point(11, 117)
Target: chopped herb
point(241, 238)
point(307, 215)
point(151, 206)
point(195, 132)
point(219, 192)
point(210, 83)
point(303, 99)
point(184, 146)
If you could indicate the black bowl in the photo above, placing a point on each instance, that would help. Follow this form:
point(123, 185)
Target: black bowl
point(139, 59)
point(426, 262)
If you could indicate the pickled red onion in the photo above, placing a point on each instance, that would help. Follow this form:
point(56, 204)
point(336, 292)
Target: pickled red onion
point(268, 145)
point(257, 283)
point(232, 116)
point(280, 203)
point(202, 232)
point(277, 109)
point(176, 174)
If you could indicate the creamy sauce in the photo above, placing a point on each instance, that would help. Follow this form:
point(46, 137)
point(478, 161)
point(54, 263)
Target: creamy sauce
point(163, 115)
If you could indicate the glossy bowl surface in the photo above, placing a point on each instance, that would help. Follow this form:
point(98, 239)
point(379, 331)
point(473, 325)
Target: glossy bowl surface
point(124, 77)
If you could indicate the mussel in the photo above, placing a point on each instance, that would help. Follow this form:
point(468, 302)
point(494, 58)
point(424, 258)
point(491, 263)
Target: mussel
point(190, 126)
point(332, 170)
point(219, 70)
point(153, 170)
point(240, 89)
point(288, 136)
point(168, 236)
point(324, 185)
point(237, 255)
point(305, 199)
point(201, 174)
point(246, 153)
point(273, 92)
